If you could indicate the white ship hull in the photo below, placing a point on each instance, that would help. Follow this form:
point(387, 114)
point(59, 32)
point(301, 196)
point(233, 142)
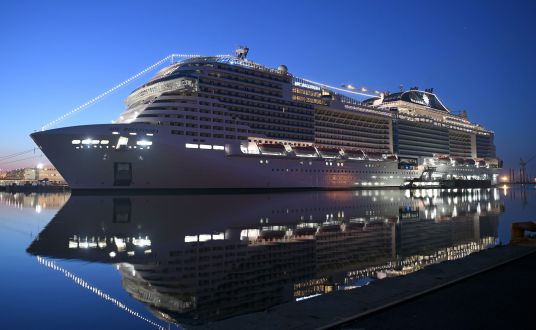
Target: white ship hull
point(168, 164)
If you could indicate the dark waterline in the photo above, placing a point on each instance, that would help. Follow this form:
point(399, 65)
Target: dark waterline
point(151, 261)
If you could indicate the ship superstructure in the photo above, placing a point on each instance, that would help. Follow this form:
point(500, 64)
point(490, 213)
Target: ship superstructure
point(228, 122)
point(448, 143)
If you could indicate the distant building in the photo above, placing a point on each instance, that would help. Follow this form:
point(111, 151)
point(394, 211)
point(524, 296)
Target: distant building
point(49, 174)
point(13, 175)
point(21, 174)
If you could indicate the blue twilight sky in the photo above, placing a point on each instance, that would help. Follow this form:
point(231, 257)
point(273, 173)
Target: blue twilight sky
point(480, 56)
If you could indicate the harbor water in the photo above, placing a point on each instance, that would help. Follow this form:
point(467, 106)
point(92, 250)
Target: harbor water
point(186, 260)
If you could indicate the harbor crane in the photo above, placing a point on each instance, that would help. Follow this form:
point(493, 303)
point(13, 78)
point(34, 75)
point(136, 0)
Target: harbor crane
point(523, 178)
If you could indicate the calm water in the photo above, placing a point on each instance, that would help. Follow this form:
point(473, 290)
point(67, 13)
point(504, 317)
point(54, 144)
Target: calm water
point(172, 261)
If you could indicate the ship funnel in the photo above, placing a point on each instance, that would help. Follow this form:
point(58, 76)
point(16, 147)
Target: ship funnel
point(242, 52)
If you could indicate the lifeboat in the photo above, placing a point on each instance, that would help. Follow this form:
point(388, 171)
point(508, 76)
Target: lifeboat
point(272, 234)
point(443, 158)
point(308, 151)
point(354, 226)
point(329, 152)
point(304, 231)
point(374, 156)
point(482, 163)
point(391, 157)
point(470, 161)
point(272, 149)
point(330, 228)
point(373, 224)
point(355, 154)
point(460, 161)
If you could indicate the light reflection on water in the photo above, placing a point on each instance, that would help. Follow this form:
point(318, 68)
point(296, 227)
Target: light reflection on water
point(164, 260)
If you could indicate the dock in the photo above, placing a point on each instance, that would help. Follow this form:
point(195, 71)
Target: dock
point(340, 308)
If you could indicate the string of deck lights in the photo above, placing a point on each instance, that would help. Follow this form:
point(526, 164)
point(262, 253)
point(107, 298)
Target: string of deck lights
point(363, 89)
point(100, 96)
point(95, 290)
point(97, 98)
point(347, 89)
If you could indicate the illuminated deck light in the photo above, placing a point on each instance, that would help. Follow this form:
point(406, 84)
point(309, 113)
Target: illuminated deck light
point(123, 141)
point(188, 239)
point(141, 242)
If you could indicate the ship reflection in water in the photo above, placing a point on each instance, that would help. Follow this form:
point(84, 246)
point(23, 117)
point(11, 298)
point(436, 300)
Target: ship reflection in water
point(198, 258)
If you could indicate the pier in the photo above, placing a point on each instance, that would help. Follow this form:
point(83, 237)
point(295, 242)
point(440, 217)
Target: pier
point(379, 301)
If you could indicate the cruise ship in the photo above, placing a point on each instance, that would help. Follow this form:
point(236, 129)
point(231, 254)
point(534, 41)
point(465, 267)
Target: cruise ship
point(211, 122)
